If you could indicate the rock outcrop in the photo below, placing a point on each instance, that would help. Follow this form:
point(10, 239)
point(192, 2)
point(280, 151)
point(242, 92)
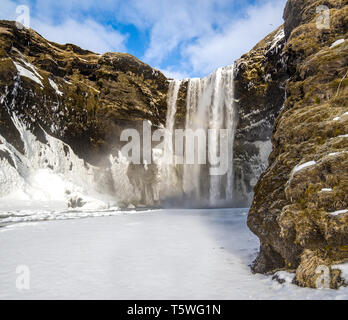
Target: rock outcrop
point(300, 208)
point(80, 97)
point(260, 78)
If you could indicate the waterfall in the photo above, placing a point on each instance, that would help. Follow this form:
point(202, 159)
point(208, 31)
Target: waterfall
point(231, 124)
point(209, 105)
point(191, 173)
point(169, 181)
point(173, 92)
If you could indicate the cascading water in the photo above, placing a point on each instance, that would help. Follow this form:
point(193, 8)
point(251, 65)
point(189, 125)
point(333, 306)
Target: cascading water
point(191, 173)
point(210, 105)
point(168, 177)
point(173, 92)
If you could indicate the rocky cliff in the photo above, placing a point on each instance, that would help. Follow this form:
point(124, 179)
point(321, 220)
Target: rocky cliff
point(81, 98)
point(260, 79)
point(300, 206)
point(85, 100)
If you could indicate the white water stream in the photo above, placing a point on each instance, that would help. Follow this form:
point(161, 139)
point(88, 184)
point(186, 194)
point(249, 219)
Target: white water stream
point(210, 105)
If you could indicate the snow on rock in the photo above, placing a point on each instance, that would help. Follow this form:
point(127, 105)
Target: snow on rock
point(29, 65)
point(47, 173)
point(337, 213)
point(277, 38)
point(79, 200)
point(337, 43)
point(66, 81)
point(338, 118)
point(302, 167)
point(334, 154)
point(284, 277)
point(344, 270)
point(9, 178)
point(259, 162)
point(26, 73)
point(256, 124)
point(55, 87)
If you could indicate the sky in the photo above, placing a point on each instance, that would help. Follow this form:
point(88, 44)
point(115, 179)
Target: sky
point(182, 38)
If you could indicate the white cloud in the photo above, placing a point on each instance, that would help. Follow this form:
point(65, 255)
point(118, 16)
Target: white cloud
point(172, 24)
point(192, 37)
point(206, 33)
point(218, 49)
point(173, 73)
point(179, 23)
point(87, 34)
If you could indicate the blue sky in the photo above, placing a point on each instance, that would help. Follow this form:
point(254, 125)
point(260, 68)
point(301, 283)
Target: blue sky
point(182, 38)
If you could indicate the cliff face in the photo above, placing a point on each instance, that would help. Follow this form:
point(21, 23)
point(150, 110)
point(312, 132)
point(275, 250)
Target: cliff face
point(86, 100)
point(260, 78)
point(299, 210)
point(80, 97)
point(83, 99)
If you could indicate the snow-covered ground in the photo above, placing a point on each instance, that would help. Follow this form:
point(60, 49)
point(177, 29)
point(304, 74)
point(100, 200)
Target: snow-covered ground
point(163, 254)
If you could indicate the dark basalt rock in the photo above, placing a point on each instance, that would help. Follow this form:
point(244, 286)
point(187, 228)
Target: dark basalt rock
point(291, 212)
point(260, 78)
